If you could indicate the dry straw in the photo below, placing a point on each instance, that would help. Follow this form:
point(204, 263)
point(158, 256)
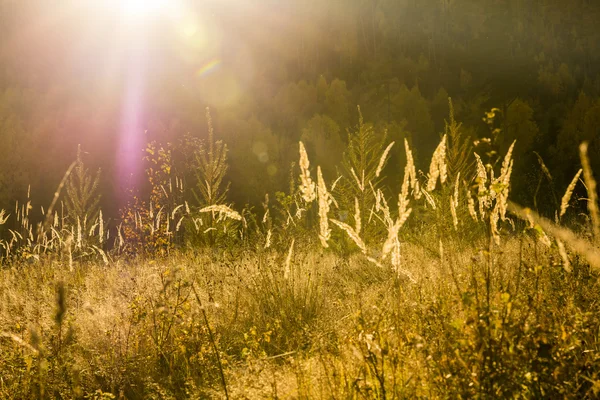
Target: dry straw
point(578, 245)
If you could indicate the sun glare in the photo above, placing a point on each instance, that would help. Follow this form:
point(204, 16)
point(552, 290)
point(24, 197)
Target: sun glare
point(142, 8)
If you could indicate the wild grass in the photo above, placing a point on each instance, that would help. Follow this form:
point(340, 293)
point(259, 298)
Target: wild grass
point(450, 292)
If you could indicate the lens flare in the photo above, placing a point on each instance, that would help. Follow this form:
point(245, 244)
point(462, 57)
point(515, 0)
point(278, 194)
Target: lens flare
point(209, 67)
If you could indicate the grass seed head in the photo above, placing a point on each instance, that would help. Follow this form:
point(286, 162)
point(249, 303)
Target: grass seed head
point(383, 159)
point(307, 187)
point(564, 204)
point(324, 202)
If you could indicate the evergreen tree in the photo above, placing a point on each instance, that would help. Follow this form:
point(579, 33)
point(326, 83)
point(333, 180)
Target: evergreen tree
point(361, 159)
point(82, 198)
point(211, 167)
point(459, 154)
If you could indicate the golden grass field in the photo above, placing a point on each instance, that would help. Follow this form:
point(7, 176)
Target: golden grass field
point(439, 289)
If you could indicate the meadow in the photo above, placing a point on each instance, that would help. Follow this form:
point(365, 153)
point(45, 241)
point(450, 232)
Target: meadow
point(356, 287)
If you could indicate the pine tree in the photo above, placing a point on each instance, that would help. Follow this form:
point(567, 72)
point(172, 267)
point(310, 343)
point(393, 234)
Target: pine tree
point(82, 199)
point(361, 159)
point(211, 167)
point(459, 154)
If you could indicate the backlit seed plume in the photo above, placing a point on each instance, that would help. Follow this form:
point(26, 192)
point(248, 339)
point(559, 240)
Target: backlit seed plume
point(454, 202)
point(504, 180)
point(591, 189)
point(174, 212)
point(352, 234)
point(179, 224)
point(100, 226)
point(307, 186)
point(403, 200)
point(429, 198)
point(359, 183)
point(324, 201)
point(383, 206)
point(471, 206)
point(456, 189)
point(563, 254)
point(102, 254)
point(482, 194)
point(223, 211)
point(79, 238)
point(335, 183)
point(564, 204)
point(410, 173)
point(543, 166)
point(577, 244)
point(438, 168)
point(3, 217)
point(392, 237)
point(288, 261)
point(383, 159)
point(507, 159)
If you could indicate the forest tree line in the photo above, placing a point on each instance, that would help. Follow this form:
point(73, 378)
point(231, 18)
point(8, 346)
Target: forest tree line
point(297, 70)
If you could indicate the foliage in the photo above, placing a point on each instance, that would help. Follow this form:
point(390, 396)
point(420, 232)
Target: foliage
point(151, 226)
point(210, 169)
point(82, 203)
point(361, 159)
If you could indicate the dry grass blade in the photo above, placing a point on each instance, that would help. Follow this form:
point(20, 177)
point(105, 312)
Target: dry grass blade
point(3, 217)
point(48, 219)
point(578, 245)
point(288, 261)
point(213, 342)
point(19, 341)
